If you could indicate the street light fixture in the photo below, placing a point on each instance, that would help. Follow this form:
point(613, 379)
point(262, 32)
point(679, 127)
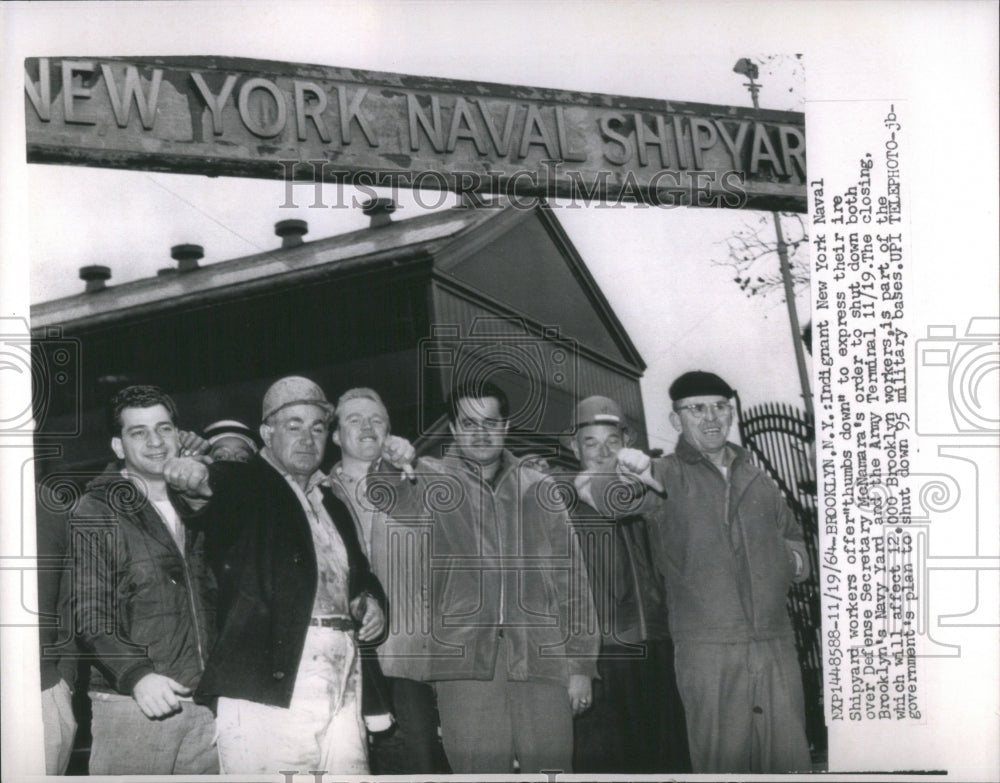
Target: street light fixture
point(745, 67)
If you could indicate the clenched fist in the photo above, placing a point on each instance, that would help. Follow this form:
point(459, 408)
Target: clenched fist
point(636, 463)
point(188, 475)
point(157, 695)
point(580, 693)
point(399, 453)
point(192, 444)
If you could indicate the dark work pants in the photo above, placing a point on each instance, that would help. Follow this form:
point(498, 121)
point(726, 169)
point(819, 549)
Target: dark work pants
point(413, 746)
point(636, 724)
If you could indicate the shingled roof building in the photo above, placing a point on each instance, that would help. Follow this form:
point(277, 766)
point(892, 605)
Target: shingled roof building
point(401, 306)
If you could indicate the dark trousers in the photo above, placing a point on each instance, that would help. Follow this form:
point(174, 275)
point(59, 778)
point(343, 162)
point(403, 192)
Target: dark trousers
point(413, 746)
point(636, 724)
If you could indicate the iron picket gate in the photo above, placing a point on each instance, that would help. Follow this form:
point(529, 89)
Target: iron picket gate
point(781, 440)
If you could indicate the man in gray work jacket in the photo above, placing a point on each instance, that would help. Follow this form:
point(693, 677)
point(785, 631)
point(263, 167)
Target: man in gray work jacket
point(398, 556)
point(730, 549)
point(510, 650)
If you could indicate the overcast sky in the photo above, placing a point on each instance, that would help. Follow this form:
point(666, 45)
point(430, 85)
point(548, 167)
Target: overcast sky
point(654, 265)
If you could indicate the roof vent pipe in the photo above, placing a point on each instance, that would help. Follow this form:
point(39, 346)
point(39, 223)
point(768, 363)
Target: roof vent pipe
point(187, 256)
point(95, 276)
point(379, 210)
point(291, 232)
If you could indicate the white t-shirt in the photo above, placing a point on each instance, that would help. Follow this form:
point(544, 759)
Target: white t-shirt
point(173, 522)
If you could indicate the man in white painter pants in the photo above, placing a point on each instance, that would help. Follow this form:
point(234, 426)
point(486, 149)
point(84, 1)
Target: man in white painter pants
point(296, 595)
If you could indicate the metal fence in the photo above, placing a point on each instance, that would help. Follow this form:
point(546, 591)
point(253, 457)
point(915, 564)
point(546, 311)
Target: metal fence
point(781, 439)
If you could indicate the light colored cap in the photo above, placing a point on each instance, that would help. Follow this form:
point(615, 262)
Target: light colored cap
point(293, 390)
point(229, 428)
point(599, 410)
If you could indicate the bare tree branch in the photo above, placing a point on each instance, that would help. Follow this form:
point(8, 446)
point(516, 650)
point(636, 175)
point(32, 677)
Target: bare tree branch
point(752, 250)
point(752, 253)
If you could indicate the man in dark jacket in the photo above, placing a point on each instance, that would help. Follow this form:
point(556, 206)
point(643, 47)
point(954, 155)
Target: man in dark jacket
point(636, 723)
point(293, 584)
point(142, 603)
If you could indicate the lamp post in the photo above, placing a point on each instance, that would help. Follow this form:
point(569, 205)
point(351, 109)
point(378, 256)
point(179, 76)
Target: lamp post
point(746, 67)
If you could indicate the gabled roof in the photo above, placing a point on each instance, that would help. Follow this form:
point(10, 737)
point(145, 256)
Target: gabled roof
point(447, 239)
point(524, 263)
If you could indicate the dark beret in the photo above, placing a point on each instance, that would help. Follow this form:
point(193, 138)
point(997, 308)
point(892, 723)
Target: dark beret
point(699, 384)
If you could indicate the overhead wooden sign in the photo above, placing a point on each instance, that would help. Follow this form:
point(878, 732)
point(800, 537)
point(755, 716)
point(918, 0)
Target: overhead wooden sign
point(253, 118)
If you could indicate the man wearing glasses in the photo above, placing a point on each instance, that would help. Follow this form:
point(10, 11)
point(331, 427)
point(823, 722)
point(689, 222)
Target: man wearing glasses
point(729, 548)
point(509, 654)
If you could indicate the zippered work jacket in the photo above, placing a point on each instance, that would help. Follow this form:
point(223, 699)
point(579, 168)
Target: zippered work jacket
point(139, 606)
point(404, 652)
point(503, 561)
point(628, 591)
point(724, 546)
